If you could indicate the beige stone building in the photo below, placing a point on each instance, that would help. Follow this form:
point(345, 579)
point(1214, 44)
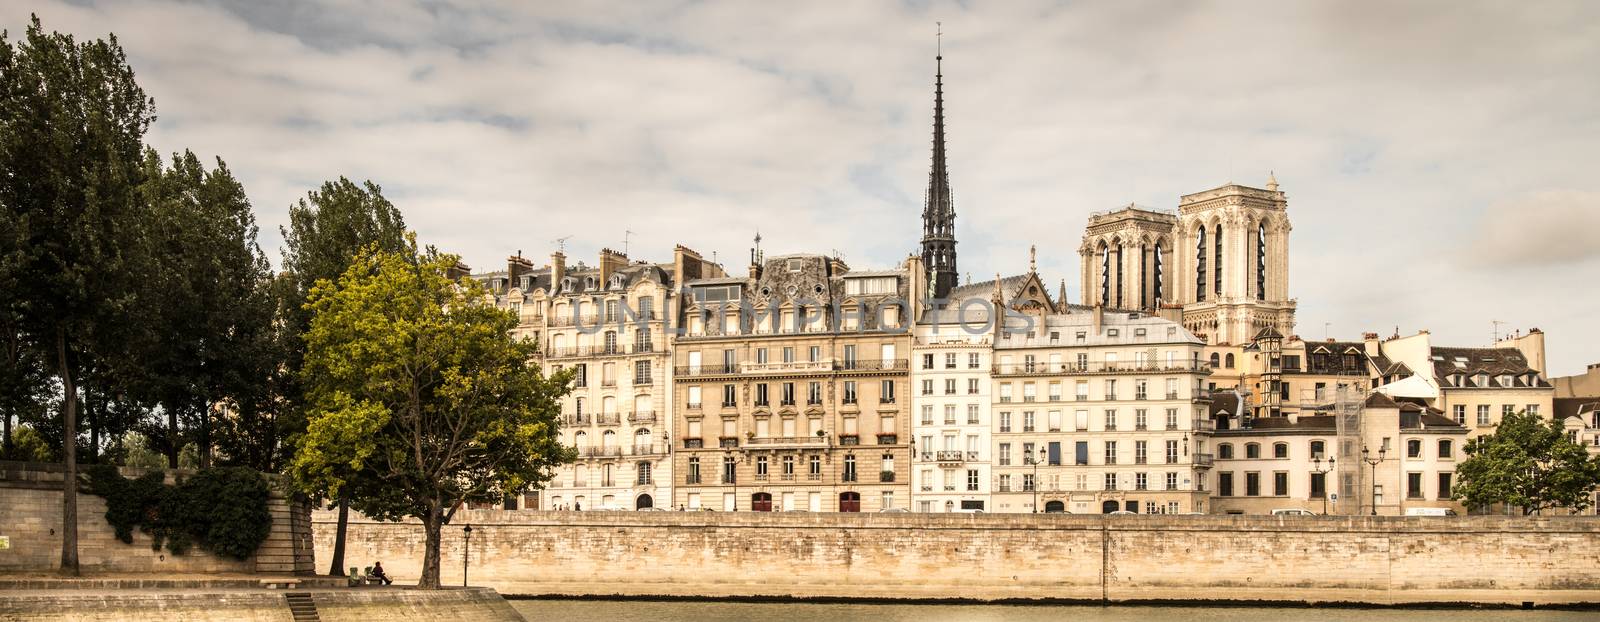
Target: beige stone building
point(608, 323)
point(1373, 455)
point(1475, 387)
point(791, 387)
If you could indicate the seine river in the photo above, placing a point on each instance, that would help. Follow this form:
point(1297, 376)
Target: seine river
point(665, 611)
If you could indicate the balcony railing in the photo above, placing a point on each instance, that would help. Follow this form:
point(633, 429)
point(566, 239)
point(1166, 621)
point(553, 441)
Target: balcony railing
point(705, 370)
point(788, 440)
point(693, 443)
point(728, 442)
point(608, 419)
point(950, 455)
point(1024, 369)
point(1203, 460)
point(1205, 425)
point(570, 319)
point(849, 439)
point(874, 365)
point(577, 419)
point(888, 439)
point(786, 367)
point(642, 416)
point(599, 452)
point(647, 450)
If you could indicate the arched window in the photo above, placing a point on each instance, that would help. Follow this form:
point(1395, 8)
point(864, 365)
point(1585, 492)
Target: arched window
point(1225, 451)
point(1120, 278)
point(1216, 360)
point(608, 440)
point(1413, 448)
point(641, 442)
point(1261, 261)
point(1217, 271)
point(643, 471)
point(1105, 275)
point(1200, 265)
point(1157, 272)
point(1446, 450)
point(579, 439)
point(1280, 450)
point(1229, 363)
point(1252, 451)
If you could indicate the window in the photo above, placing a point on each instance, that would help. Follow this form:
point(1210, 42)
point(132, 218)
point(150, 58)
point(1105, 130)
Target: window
point(1111, 481)
point(849, 468)
point(950, 386)
point(814, 393)
point(1225, 451)
point(1318, 449)
point(1005, 421)
point(1533, 409)
point(1252, 484)
point(886, 392)
point(1413, 448)
point(1446, 450)
point(643, 471)
point(1172, 418)
point(788, 467)
point(1280, 484)
point(1027, 482)
point(1483, 414)
point(949, 414)
point(1506, 410)
point(927, 361)
point(950, 360)
point(972, 414)
point(694, 397)
point(1140, 452)
point(1172, 481)
point(1460, 412)
point(1444, 486)
point(972, 386)
point(761, 467)
point(1319, 485)
point(1005, 454)
point(1252, 451)
point(1027, 421)
point(1280, 450)
point(761, 395)
point(972, 360)
point(1111, 420)
point(815, 470)
point(1172, 452)
point(1413, 485)
point(1005, 483)
point(729, 396)
point(927, 387)
point(1140, 481)
point(1225, 484)
point(694, 472)
point(972, 479)
point(1111, 452)
point(849, 391)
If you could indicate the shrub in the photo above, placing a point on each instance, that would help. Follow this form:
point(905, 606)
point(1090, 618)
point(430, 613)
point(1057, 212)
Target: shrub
point(222, 510)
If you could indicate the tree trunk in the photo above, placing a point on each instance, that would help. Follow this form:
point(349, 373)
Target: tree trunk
point(205, 435)
point(5, 443)
point(432, 523)
point(172, 437)
point(338, 539)
point(93, 421)
point(69, 451)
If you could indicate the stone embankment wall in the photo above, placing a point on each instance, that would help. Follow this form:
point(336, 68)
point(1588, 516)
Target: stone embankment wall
point(386, 605)
point(30, 515)
point(1379, 560)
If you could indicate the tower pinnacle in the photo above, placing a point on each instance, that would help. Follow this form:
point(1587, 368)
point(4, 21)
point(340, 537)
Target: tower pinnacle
point(938, 211)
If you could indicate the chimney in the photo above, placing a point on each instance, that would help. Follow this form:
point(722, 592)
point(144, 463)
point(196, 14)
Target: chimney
point(837, 266)
point(516, 267)
point(755, 264)
point(610, 262)
point(1370, 344)
point(558, 270)
point(458, 271)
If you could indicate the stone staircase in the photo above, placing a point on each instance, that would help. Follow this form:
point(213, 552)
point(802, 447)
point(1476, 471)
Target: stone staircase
point(302, 607)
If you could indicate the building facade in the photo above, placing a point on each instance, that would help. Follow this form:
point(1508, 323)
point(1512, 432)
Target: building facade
point(951, 355)
point(1475, 387)
point(792, 388)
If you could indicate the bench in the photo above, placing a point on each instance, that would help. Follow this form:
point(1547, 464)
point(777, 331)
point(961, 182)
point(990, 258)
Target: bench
point(363, 578)
point(285, 584)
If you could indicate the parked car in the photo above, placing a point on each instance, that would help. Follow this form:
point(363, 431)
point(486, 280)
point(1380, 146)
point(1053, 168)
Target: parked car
point(1430, 512)
point(1293, 512)
point(894, 510)
point(1121, 512)
point(652, 509)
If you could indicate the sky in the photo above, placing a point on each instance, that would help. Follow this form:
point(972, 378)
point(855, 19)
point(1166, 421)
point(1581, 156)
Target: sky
point(1440, 158)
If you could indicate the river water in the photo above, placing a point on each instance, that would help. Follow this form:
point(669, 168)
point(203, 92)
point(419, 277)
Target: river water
point(665, 611)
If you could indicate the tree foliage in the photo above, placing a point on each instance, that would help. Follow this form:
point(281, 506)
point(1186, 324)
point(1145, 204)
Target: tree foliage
point(416, 384)
point(72, 122)
point(1528, 462)
point(223, 510)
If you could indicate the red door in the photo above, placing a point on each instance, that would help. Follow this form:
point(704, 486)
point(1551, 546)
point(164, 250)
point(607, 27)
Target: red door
point(761, 502)
point(849, 502)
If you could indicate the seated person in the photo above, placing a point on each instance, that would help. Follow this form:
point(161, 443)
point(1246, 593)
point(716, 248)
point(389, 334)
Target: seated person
point(377, 573)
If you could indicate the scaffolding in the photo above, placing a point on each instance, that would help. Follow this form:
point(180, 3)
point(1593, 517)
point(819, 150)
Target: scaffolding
point(1349, 400)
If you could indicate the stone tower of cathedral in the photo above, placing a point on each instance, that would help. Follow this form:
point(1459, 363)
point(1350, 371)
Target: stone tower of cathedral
point(939, 208)
point(1231, 262)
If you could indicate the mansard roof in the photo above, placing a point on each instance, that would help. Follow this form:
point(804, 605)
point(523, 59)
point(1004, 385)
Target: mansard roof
point(1459, 368)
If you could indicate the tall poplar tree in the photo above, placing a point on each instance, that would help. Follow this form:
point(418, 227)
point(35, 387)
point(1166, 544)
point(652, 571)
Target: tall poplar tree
point(72, 121)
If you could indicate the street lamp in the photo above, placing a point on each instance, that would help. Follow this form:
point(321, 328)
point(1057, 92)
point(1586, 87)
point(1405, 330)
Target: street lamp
point(1365, 453)
point(1317, 468)
point(466, 552)
point(1036, 461)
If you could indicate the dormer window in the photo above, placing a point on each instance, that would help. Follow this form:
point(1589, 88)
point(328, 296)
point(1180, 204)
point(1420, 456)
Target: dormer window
point(588, 282)
point(794, 265)
point(1112, 332)
point(616, 281)
point(1505, 380)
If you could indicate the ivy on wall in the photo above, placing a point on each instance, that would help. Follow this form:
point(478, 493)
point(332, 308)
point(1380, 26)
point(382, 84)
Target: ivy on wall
point(222, 510)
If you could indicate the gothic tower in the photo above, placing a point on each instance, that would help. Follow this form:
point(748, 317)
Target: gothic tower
point(1231, 261)
point(939, 210)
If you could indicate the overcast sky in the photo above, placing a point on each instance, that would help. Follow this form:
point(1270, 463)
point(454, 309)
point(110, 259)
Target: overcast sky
point(1440, 158)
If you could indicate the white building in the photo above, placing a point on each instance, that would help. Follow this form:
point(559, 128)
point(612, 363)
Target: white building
point(950, 423)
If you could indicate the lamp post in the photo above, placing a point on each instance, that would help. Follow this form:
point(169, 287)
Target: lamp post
point(466, 552)
point(1317, 468)
point(1365, 457)
point(1036, 461)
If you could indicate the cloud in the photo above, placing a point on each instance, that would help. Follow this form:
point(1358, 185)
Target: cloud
point(1546, 229)
point(499, 126)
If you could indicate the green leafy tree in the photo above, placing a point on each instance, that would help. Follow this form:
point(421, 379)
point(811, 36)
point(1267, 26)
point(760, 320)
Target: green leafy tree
point(72, 121)
point(416, 384)
point(1528, 462)
point(326, 230)
point(209, 341)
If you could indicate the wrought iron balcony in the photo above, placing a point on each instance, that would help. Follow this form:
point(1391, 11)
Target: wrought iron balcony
point(608, 419)
point(642, 416)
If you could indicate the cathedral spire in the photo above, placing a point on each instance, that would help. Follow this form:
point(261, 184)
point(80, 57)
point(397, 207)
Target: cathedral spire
point(938, 211)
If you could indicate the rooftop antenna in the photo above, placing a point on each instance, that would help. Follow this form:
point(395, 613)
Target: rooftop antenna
point(1325, 326)
point(938, 38)
point(1496, 324)
point(625, 235)
point(561, 244)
